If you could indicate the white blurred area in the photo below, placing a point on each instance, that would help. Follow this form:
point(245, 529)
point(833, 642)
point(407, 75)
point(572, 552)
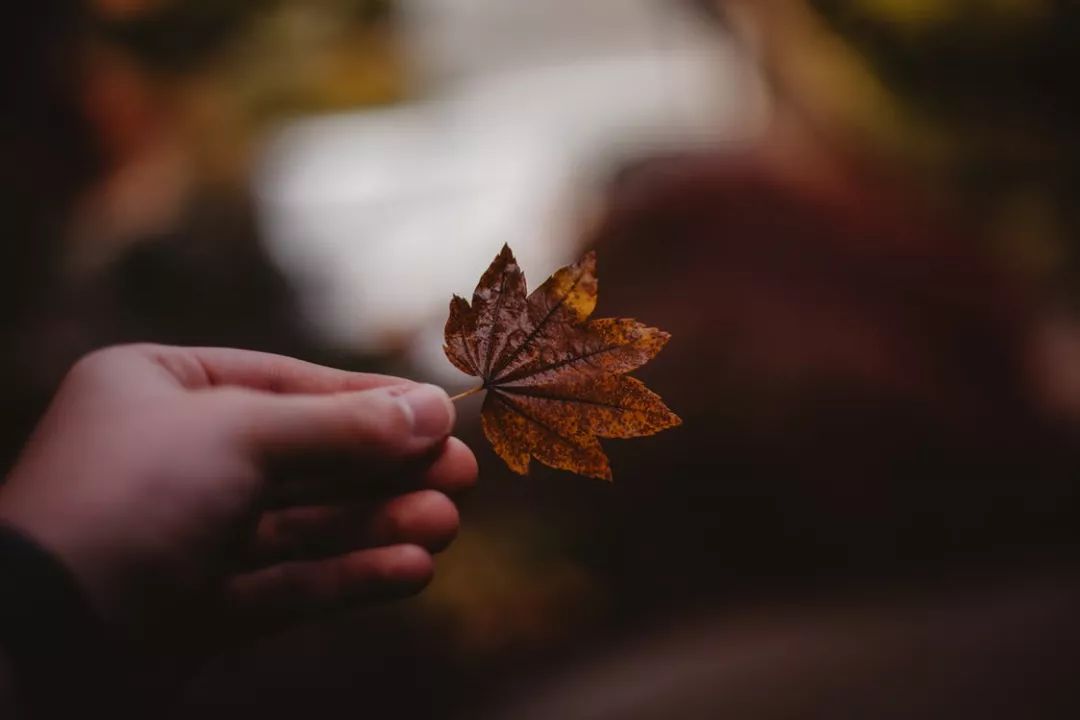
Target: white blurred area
point(524, 109)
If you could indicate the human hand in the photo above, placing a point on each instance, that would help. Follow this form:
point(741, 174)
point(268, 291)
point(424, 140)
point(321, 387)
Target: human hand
point(169, 479)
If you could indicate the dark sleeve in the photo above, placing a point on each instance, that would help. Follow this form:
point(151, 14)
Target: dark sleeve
point(7, 692)
point(61, 658)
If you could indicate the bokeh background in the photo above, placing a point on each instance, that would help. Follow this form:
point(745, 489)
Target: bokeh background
point(859, 220)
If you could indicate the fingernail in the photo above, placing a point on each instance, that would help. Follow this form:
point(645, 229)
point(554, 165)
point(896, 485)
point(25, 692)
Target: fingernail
point(431, 411)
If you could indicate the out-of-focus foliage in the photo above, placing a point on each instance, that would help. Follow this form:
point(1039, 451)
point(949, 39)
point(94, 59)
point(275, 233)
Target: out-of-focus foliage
point(510, 584)
point(177, 95)
point(272, 56)
point(977, 97)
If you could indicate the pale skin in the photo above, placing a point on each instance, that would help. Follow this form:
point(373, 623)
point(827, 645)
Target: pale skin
point(176, 481)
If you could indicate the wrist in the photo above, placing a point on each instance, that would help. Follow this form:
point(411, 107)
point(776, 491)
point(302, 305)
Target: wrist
point(57, 533)
point(59, 650)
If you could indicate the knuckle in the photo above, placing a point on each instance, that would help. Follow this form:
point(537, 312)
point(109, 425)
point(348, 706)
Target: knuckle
point(89, 371)
point(92, 363)
point(96, 361)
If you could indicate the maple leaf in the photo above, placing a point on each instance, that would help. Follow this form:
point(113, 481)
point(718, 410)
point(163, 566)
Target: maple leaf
point(556, 380)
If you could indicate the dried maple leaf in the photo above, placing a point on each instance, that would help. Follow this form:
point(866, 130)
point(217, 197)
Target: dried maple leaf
point(555, 379)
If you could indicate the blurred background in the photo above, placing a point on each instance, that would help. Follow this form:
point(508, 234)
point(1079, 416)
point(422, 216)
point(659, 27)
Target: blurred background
point(859, 220)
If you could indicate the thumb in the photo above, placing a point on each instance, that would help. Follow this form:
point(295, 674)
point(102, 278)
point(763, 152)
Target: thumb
point(399, 421)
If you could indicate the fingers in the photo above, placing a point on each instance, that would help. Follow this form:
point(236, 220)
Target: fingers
point(279, 592)
point(453, 471)
point(450, 468)
point(388, 423)
point(425, 518)
point(210, 367)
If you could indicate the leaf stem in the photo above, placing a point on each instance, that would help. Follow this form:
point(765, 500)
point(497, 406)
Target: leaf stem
point(467, 393)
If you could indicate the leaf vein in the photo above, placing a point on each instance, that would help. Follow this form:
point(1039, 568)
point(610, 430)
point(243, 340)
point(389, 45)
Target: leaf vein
point(515, 376)
point(494, 335)
point(513, 407)
point(557, 398)
point(540, 326)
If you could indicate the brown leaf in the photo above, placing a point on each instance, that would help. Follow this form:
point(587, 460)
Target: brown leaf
point(555, 379)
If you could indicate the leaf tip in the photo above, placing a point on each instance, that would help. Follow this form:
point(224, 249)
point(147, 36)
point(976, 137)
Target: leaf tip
point(600, 470)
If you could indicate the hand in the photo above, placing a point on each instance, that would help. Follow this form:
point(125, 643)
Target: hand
point(169, 479)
